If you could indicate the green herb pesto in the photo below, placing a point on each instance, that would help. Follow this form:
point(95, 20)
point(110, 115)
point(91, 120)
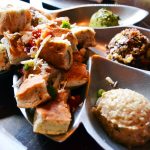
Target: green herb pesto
point(104, 18)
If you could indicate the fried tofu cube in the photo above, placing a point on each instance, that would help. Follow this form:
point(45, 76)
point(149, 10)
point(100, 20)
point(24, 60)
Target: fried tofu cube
point(76, 76)
point(32, 92)
point(14, 19)
point(53, 117)
point(15, 47)
point(57, 52)
point(85, 36)
point(64, 33)
point(73, 40)
point(4, 61)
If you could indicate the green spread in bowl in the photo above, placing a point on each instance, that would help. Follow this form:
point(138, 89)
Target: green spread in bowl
point(104, 18)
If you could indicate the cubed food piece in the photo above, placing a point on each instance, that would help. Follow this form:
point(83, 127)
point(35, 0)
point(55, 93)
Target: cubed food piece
point(15, 47)
point(64, 33)
point(76, 76)
point(85, 36)
point(39, 17)
point(80, 55)
point(14, 19)
point(32, 92)
point(42, 68)
point(57, 52)
point(4, 62)
point(53, 31)
point(53, 117)
point(63, 95)
point(73, 40)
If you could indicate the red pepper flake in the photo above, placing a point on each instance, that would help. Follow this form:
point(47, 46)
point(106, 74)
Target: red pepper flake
point(36, 33)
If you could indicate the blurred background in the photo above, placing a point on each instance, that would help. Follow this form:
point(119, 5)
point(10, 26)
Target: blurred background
point(57, 4)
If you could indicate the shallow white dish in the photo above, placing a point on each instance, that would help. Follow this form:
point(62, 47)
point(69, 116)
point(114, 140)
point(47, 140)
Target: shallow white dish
point(127, 77)
point(81, 14)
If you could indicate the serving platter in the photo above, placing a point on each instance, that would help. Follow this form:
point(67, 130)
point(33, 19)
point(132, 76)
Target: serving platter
point(83, 113)
point(81, 14)
point(76, 115)
point(97, 76)
point(127, 77)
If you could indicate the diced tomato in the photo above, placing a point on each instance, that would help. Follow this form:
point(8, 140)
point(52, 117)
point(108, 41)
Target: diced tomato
point(74, 101)
point(31, 43)
point(36, 33)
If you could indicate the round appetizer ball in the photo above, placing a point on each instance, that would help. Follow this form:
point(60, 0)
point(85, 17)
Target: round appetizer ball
point(125, 115)
point(104, 18)
point(130, 47)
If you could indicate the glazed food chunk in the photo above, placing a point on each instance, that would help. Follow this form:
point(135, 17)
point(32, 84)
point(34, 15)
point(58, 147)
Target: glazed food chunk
point(54, 117)
point(85, 36)
point(32, 92)
point(125, 115)
point(130, 47)
point(4, 61)
point(57, 52)
point(15, 47)
point(14, 19)
point(76, 76)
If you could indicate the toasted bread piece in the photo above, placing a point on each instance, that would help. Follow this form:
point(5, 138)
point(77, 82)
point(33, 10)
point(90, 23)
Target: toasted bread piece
point(76, 76)
point(57, 52)
point(32, 92)
point(14, 19)
point(4, 61)
point(53, 117)
point(15, 47)
point(85, 36)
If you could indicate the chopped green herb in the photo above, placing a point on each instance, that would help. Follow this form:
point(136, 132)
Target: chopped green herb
point(26, 67)
point(52, 91)
point(40, 20)
point(65, 24)
point(100, 92)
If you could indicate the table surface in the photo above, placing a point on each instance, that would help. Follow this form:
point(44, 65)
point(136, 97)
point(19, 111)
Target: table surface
point(17, 133)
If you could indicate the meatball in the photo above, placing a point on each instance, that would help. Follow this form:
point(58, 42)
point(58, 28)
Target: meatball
point(125, 115)
point(130, 47)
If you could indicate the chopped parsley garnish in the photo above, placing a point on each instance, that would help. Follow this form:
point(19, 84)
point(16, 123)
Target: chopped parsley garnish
point(65, 24)
point(26, 67)
point(100, 92)
point(52, 91)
